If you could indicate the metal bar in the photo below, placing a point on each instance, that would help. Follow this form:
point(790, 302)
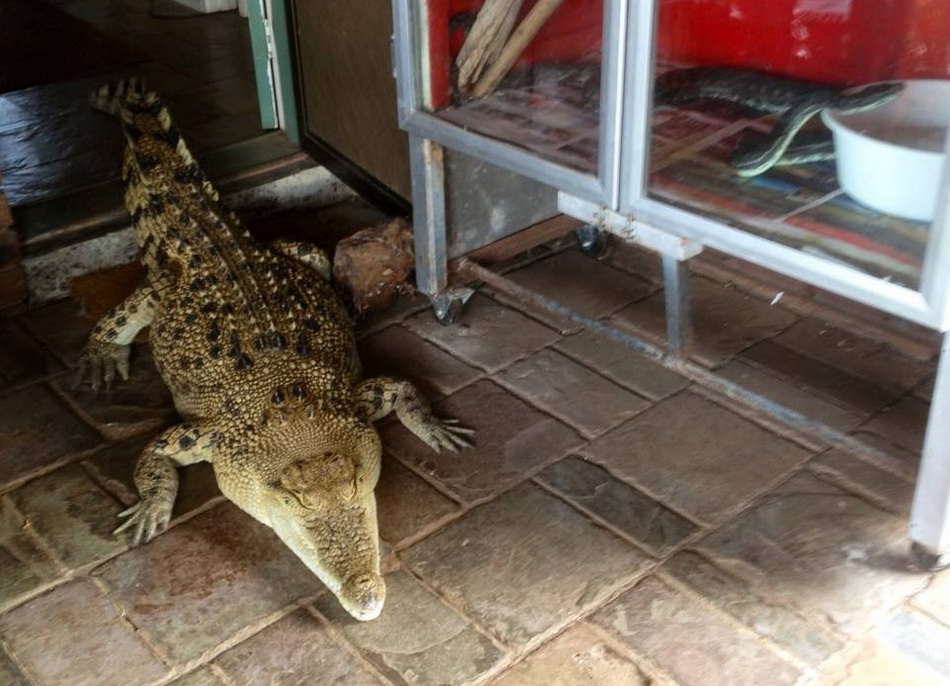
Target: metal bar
point(263, 63)
point(676, 293)
point(504, 155)
point(428, 209)
point(694, 372)
point(284, 63)
point(930, 514)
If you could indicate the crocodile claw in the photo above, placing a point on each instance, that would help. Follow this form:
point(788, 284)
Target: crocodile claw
point(147, 518)
point(448, 434)
point(101, 362)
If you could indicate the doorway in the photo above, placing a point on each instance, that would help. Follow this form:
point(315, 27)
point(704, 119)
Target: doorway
point(208, 67)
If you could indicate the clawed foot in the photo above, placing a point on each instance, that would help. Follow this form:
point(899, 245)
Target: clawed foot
point(448, 434)
point(146, 518)
point(100, 362)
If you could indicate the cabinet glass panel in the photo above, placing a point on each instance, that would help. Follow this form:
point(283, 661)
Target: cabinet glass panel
point(820, 124)
point(526, 72)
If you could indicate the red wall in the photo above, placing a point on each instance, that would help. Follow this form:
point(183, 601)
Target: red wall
point(828, 40)
point(842, 41)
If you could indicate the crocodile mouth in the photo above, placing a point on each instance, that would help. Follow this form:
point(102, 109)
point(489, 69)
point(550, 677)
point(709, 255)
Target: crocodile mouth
point(354, 579)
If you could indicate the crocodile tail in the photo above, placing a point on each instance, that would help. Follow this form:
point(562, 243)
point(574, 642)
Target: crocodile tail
point(130, 99)
point(111, 97)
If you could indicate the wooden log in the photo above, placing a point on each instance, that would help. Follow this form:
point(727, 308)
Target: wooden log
point(486, 39)
point(519, 40)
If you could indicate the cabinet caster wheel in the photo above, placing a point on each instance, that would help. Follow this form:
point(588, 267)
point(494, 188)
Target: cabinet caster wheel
point(592, 241)
point(926, 561)
point(449, 305)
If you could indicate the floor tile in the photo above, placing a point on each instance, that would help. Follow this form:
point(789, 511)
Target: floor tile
point(844, 576)
point(809, 643)
point(573, 393)
point(644, 263)
point(490, 335)
point(200, 677)
point(695, 456)
point(405, 504)
point(441, 648)
point(882, 666)
point(903, 424)
point(10, 675)
point(867, 359)
point(578, 657)
point(511, 439)
point(790, 395)
point(691, 642)
point(396, 351)
point(819, 378)
point(38, 430)
point(25, 566)
point(294, 650)
point(115, 466)
point(524, 563)
point(61, 328)
point(141, 404)
point(201, 582)
point(725, 320)
point(644, 520)
point(23, 360)
point(72, 515)
point(841, 467)
point(582, 283)
point(920, 638)
point(74, 636)
point(935, 599)
point(622, 365)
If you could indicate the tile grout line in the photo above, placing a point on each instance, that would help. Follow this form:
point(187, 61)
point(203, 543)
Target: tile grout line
point(845, 483)
point(340, 639)
point(640, 660)
point(11, 655)
point(651, 554)
point(743, 629)
point(580, 430)
point(760, 419)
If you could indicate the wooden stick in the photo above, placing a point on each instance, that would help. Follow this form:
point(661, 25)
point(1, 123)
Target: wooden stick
point(519, 40)
point(485, 40)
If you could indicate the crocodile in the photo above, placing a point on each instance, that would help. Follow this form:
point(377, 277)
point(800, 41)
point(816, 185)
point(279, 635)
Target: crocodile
point(259, 354)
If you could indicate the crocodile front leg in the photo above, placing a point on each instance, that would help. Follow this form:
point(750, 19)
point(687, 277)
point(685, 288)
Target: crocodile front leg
point(107, 351)
point(306, 253)
point(379, 396)
point(157, 481)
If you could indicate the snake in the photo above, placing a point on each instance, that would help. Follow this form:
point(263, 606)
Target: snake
point(795, 101)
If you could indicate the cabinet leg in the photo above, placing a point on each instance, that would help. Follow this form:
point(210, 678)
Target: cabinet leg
point(448, 305)
point(930, 515)
point(676, 291)
point(591, 240)
point(428, 215)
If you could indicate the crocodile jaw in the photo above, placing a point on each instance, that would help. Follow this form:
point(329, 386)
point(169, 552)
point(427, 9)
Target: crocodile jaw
point(347, 564)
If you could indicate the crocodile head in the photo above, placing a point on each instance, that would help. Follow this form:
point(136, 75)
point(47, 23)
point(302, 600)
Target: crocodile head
point(322, 507)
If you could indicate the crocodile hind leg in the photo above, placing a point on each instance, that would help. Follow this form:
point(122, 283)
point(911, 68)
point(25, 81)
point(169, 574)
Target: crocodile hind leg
point(307, 253)
point(157, 480)
point(107, 351)
point(379, 396)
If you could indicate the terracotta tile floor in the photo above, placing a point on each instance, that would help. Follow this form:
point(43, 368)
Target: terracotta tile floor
point(614, 525)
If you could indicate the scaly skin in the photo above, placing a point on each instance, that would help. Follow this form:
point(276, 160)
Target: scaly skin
point(260, 357)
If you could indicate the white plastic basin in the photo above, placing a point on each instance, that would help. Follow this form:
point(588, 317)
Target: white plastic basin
point(891, 158)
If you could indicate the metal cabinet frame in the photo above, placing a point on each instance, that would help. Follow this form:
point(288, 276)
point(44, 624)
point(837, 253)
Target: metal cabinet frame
point(616, 200)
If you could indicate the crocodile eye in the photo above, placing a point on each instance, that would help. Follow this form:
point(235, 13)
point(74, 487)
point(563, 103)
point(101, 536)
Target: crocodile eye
point(278, 397)
point(298, 391)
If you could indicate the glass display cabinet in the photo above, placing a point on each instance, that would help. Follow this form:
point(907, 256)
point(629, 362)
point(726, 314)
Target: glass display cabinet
point(806, 136)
